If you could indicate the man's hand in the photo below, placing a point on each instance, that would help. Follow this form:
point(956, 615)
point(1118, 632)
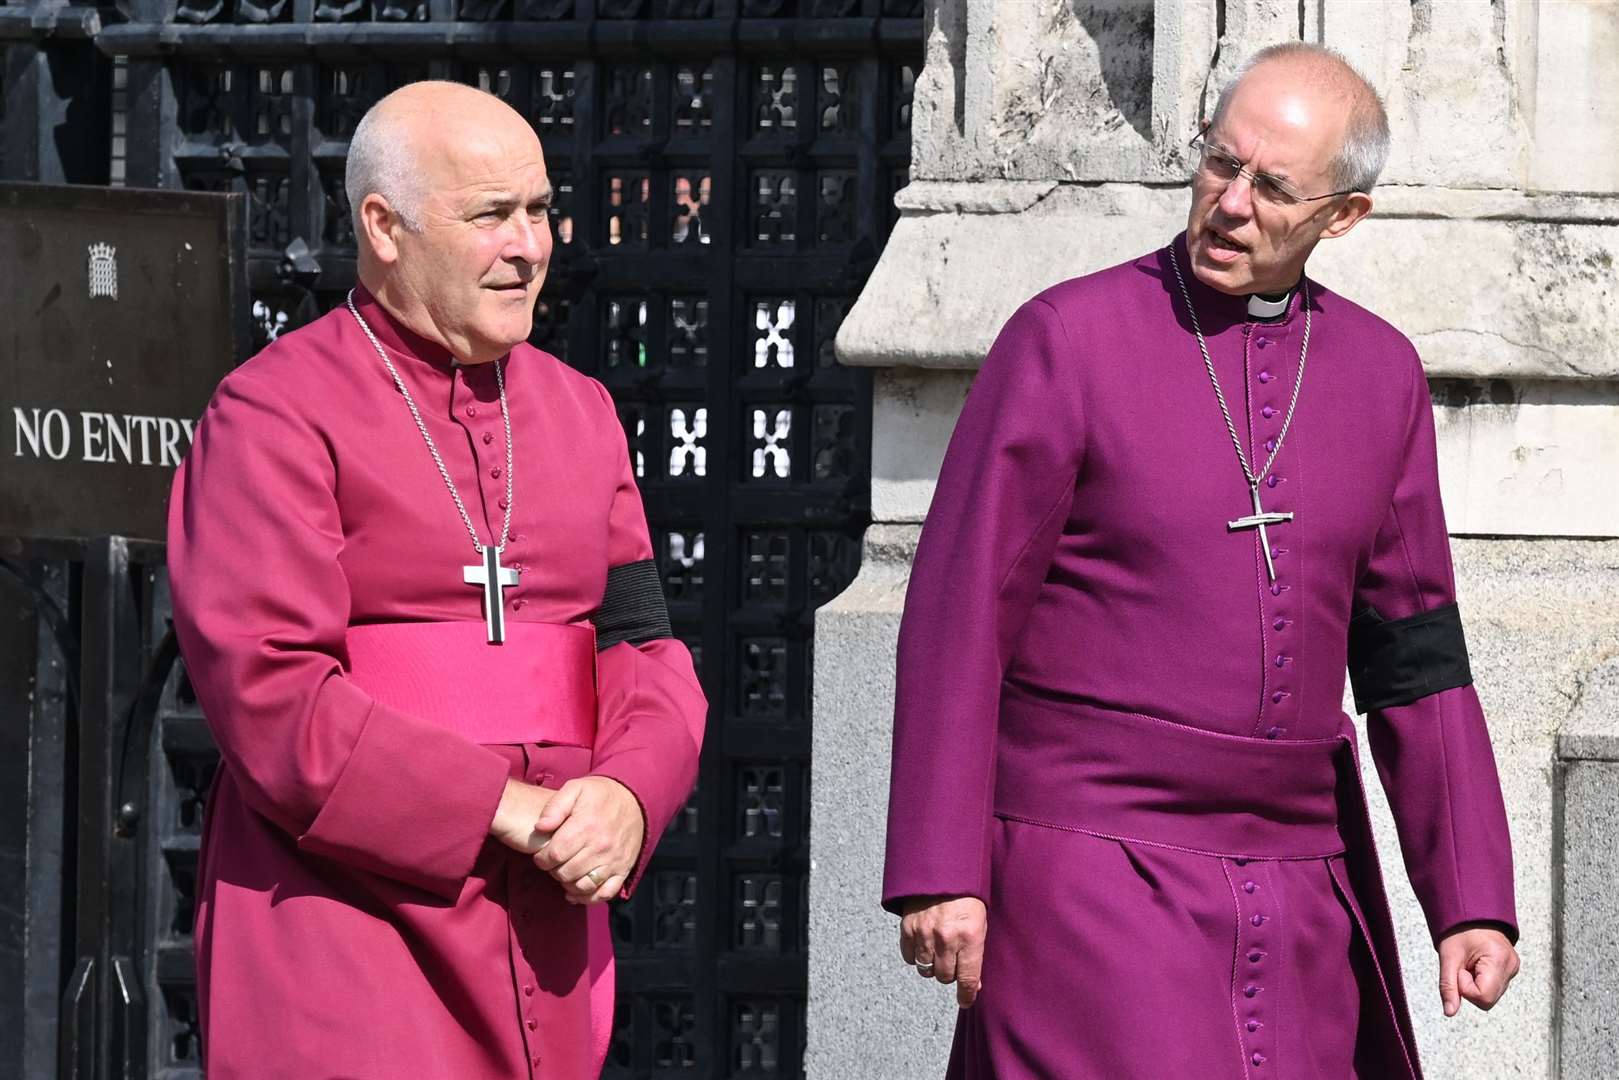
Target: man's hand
point(515, 818)
point(1475, 963)
point(943, 936)
point(594, 824)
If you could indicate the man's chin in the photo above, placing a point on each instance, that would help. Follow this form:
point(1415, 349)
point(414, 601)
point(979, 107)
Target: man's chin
point(1231, 278)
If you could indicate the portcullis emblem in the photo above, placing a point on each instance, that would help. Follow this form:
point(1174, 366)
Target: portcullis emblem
point(103, 271)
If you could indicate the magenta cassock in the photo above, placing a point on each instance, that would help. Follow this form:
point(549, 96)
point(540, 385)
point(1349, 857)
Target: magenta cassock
point(1113, 728)
point(353, 918)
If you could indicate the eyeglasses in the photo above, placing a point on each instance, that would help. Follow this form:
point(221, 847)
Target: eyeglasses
point(1219, 165)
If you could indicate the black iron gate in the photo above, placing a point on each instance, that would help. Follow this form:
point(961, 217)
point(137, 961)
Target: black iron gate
point(725, 172)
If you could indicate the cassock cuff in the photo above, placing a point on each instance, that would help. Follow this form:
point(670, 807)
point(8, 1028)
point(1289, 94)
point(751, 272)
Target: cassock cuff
point(627, 776)
point(414, 803)
point(1507, 926)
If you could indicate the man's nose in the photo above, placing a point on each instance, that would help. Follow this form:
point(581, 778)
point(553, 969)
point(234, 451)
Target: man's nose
point(532, 240)
point(1237, 200)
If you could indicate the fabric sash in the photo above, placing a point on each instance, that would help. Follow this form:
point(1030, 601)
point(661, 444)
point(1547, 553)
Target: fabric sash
point(540, 686)
point(1123, 776)
point(1131, 777)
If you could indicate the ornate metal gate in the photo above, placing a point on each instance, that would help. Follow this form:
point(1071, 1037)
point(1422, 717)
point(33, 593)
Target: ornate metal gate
point(725, 171)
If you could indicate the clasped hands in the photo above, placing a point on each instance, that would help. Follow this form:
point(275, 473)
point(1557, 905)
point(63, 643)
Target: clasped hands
point(592, 823)
point(943, 938)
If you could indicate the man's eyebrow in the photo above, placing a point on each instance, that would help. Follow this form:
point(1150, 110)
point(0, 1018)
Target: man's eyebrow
point(494, 200)
point(544, 198)
point(1269, 174)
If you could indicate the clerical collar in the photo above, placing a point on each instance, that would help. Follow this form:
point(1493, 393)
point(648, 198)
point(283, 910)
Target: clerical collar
point(1269, 308)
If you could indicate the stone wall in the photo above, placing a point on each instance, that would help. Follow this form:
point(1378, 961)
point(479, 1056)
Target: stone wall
point(1049, 142)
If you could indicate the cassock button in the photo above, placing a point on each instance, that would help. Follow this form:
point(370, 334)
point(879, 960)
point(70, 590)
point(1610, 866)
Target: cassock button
point(1264, 376)
point(494, 473)
point(488, 437)
point(1272, 480)
point(528, 991)
point(1267, 412)
point(1249, 886)
point(1253, 958)
point(1250, 991)
point(1258, 920)
point(472, 410)
point(1272, 733)
point(1280, 624)
point(503, 502)
point(1278, 697)
point(533, 1023)
point(1263, 342)
point(519, 604)
point(1270, 444)
point(1254, 1025)
point(1258, 1058)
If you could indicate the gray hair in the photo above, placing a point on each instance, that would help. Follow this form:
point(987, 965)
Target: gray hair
point(1365, 150)
point(382, 162)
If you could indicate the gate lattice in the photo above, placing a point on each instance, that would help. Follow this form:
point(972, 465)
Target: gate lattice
point(724, 172)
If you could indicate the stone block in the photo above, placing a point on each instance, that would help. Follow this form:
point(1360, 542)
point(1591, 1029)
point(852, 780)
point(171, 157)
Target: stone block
point(913, 415)
point(1588, 1004)
point(1486, 286)
point(1576, 98)
point(870, 1016)
point(1535, 458)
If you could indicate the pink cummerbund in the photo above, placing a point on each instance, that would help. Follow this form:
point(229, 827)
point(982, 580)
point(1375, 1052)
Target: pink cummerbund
point(1124, 776)
point(540, 686)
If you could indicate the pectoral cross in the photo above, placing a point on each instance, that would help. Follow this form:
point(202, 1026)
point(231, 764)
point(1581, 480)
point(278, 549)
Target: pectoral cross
point(494, 578)
point(1258, 520)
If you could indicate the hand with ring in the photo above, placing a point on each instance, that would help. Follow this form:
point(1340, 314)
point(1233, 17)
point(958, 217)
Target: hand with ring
point(595, 831)
point(943, 936)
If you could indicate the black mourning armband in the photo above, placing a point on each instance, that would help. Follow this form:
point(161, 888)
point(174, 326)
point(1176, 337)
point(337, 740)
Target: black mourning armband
point(1404, 660)
point(633, 608)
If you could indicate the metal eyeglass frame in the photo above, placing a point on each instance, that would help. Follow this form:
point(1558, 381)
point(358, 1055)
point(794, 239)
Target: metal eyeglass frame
point(1204, 148)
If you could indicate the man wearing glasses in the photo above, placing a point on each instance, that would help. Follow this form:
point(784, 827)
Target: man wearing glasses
point(1185, 494)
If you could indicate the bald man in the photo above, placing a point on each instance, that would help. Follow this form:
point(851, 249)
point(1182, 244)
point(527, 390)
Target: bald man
point(414, 592)
point(1184, 495)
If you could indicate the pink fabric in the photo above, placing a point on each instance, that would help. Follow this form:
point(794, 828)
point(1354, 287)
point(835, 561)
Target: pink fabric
point(537, 686)
point(1077, 552)
point(353, 918)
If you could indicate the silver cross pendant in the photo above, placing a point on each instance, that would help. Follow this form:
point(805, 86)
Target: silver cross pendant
point(1258, 520)
point(494, 579)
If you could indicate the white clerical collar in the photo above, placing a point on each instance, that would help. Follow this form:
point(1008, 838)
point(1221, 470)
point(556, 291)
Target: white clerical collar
point(1265, 307)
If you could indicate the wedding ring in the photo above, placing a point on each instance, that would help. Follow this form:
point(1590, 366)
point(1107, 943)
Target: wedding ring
point(596, 876)
point(925, 969)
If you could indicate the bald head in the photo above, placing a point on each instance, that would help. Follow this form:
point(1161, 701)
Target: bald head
point(451, 216)
point(1323, 74)
point(419, 124)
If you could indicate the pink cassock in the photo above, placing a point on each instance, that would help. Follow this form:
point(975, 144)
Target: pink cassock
point(1115, 729)
point(353, 918)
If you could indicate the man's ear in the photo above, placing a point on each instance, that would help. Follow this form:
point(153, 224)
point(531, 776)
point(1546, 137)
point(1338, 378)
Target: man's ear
point(379, 227)
point(1347, 215)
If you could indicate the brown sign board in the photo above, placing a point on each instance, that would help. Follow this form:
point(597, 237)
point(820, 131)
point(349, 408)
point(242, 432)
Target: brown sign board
point(120, 310)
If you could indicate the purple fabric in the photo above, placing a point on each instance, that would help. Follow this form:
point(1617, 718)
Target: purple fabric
point(1077, 552)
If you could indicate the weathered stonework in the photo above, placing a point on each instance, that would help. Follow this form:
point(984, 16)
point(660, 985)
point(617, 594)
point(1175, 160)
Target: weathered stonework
point(1049, 141)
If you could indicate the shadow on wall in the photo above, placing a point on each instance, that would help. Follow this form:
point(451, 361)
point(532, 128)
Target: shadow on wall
point(1122, 31)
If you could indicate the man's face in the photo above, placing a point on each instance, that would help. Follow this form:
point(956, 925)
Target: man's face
point(1238, 241)
point(479, 255)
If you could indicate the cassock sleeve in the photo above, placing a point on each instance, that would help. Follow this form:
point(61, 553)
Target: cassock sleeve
point(651, 707)
point(1004, 490)
point(1408, 666)
point(261, 608)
